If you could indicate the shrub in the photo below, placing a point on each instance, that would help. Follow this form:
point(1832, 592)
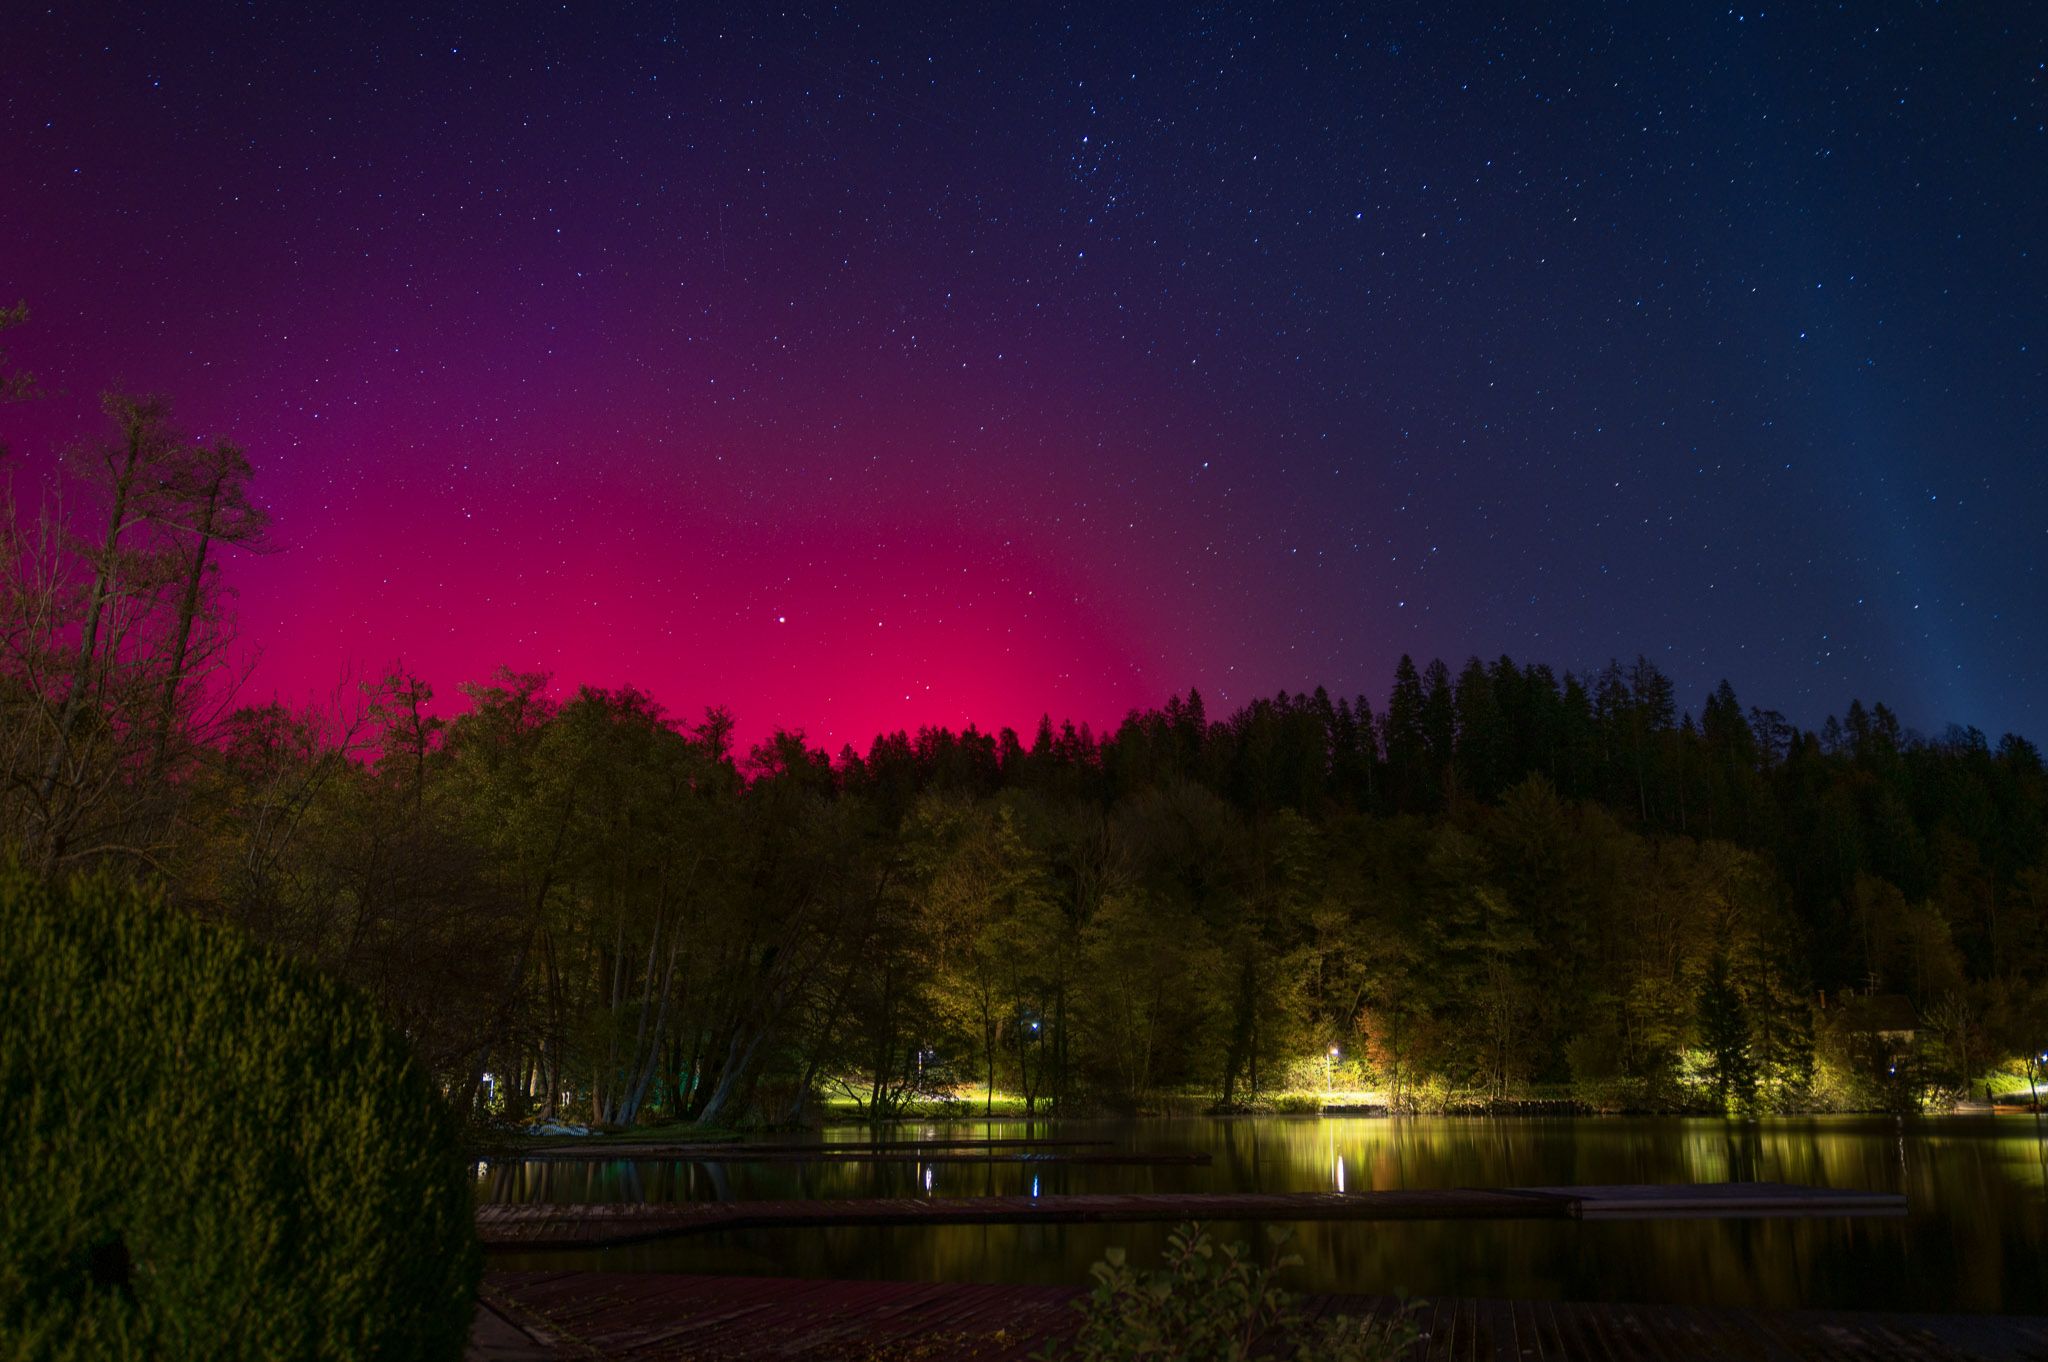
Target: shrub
point(1207, 1303)
point(211, 1152)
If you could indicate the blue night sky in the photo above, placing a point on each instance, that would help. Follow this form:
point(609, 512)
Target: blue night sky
point(869, 366)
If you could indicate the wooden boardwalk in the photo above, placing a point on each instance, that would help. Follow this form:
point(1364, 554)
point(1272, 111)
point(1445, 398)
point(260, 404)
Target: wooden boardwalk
point(573, 1147)
point(642, 1317)
point(542, 1226)
point(771, 1154)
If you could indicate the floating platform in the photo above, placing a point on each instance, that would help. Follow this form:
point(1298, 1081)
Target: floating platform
point(542, 1226)
point(1721, 1201)
point(771, 1154)
point(638, 1317)
point(582, 1147)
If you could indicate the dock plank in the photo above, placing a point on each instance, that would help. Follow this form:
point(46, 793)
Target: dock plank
point(1723, 1201)
point(641, 1317)
point(537, 1225)
point(583, 1146)
point(769, 1154)
point(541, 1225)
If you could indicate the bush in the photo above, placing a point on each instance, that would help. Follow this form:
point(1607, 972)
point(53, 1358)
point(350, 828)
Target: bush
point(1207, 1303)
point(1295, 1103)
point(210, 1152)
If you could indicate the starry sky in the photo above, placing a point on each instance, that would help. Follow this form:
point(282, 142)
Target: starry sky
point(873, 366)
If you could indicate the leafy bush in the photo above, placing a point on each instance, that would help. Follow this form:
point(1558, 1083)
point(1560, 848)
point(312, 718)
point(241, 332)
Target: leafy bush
point(212, 1153)
point(1210, 1303)
point(1295, 1103)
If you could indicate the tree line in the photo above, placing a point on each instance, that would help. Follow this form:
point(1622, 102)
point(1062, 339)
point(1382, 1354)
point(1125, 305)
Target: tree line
point(1503, 880)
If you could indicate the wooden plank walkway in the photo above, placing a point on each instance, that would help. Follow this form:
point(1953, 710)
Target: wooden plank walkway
point(1721, 1201)
point(573, 1147)
point(963, 1142)
point(770, 1154)
point(539, 1225)
point(641, 1317)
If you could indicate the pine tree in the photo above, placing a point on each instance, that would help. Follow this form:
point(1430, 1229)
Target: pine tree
point(1724, 1034)
point(1407, 749)
point(1440, 729)
point(1480, 739)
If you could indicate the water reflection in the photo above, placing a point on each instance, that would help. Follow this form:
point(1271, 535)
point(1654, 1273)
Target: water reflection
point(1974, 1238)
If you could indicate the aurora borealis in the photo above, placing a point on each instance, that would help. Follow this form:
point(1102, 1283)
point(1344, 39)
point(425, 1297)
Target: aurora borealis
point(859, 369)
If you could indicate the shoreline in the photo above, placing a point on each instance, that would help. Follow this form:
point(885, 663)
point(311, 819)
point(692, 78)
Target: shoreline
point(499, 1141)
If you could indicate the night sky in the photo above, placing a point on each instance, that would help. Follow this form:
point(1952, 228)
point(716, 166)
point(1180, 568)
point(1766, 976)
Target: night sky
point(864, 368)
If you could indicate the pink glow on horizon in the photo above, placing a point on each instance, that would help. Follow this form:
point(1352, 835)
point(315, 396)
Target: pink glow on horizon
point(812, 626)
point(795, 573)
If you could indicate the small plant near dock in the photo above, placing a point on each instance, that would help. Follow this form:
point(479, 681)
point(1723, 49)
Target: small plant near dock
point(1211, 1302)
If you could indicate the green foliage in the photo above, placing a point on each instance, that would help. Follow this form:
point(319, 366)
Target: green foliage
point(1295, 1103)
point(1502, 882)
point(1724, 1032)
point(212, 1153)
point(1215, 1303)
point(1599, 1080)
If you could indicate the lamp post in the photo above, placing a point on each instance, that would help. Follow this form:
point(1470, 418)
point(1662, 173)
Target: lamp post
point(1330, 1072)
point(1031, 1097)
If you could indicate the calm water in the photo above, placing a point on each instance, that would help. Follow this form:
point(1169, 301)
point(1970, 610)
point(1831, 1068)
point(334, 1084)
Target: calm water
point(1975, 1238)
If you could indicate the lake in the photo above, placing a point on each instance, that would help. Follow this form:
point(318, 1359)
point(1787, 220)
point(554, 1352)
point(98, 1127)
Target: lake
point(1975, 1237)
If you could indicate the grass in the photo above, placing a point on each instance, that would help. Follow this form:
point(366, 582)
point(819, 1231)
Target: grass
point(968, 1105)
point(971, 1105)
point(961, 1106)
point(2005, 1087)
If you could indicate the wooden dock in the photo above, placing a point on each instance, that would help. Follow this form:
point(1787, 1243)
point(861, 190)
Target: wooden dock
point(508, 1227)
point(771, 1154)
point(1721, 1201)
point(639, 1317)
point(573, 1147)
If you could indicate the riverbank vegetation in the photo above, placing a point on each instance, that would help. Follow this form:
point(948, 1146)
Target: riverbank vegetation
point(1214, 1302)
point(213, 1152)
point(1494, 882)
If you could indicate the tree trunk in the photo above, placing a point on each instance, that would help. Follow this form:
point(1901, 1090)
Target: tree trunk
point(181, 633)
point(88, 644)
point(501, 1023)
point(739, 1062)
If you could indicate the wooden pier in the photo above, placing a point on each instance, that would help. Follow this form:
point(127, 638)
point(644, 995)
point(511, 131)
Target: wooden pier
point(526, 1226)
point(639, 1317)
point(771, 1154)
point(733, 1151)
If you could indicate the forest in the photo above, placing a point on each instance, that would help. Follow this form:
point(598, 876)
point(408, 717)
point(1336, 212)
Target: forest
point(1498, 882)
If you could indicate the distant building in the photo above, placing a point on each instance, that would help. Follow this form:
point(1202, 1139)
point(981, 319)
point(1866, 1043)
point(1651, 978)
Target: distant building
point(1887, 1016)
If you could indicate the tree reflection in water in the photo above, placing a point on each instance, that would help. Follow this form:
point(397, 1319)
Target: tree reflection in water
point(1975, 1238)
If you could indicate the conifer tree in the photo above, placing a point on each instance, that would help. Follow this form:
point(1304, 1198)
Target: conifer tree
point(1724, 1035)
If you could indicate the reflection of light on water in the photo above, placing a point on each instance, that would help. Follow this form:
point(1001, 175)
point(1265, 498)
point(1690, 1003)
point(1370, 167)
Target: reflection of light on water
point(1976, 1189)
point(927, 1179)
